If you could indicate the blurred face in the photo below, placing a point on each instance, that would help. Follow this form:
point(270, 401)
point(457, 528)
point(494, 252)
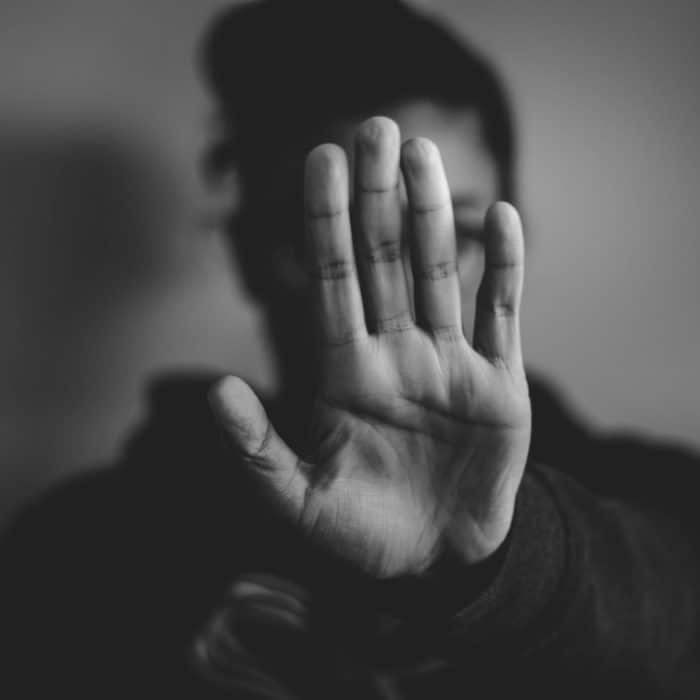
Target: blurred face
point(471, 172)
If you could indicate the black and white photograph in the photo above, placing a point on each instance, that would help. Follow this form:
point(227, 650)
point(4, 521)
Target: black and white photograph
point(350, 349)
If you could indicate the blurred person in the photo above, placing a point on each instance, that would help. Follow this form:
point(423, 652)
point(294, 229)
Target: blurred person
point(412, 516)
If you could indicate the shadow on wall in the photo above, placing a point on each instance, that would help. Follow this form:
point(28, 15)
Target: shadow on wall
point(84, 223)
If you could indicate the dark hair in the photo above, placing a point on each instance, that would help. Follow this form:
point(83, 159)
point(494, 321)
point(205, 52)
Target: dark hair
point(284, 70)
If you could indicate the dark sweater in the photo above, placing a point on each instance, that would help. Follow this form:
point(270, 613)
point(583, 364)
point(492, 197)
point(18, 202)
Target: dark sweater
point(105, 581)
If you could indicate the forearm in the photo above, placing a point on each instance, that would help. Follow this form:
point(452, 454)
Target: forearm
point(590, 591)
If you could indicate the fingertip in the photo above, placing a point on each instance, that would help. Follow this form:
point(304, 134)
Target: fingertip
point(325, 161)
point(504, 232)
point(419, 153)
point(326, 180)
point(377, 133)
point(244, 420)
point(228, 390)
point(505, 217)
point(235, 406)
point(377, 143)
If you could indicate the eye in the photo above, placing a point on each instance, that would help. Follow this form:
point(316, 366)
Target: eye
point(469, 213)
point(469, 225)
point(469, 232)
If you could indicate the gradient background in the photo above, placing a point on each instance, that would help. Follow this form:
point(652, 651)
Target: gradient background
point(110, 269)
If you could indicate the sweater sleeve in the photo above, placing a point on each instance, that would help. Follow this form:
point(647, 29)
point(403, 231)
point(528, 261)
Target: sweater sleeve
point(593, 594)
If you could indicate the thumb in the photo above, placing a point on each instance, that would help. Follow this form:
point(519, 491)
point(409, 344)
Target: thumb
point(262, 450)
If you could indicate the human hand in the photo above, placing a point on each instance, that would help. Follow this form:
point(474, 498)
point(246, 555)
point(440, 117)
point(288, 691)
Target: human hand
point(420, 439)
point(257, 642)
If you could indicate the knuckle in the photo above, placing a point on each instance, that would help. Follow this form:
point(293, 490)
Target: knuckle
point(437, 271)
point(384, 251)
point(432, 210)
point(394, 324)
point(497, 308)
point(256, 450)
point(325, 212)
point(349, 336)
point(448, 334)
point(332, 270)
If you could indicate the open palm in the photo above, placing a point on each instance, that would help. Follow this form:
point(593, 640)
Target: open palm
point(419, 438)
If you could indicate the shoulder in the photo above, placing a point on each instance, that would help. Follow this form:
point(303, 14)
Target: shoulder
point(557, 428)
point(618, 464)
point(172, 490)
point(177, 424)
point(147, 544)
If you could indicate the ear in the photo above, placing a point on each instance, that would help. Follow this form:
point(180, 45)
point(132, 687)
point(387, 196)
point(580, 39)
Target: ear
point(220, 199)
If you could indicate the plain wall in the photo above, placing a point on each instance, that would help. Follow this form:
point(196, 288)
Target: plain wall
point(111, 270)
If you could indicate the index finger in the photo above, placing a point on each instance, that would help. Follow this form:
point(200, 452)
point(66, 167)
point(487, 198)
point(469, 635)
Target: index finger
point(330, 247)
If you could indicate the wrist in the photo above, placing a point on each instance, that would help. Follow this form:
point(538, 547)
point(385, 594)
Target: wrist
point(449, 585)
point(468, 542)
point(483, 519)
